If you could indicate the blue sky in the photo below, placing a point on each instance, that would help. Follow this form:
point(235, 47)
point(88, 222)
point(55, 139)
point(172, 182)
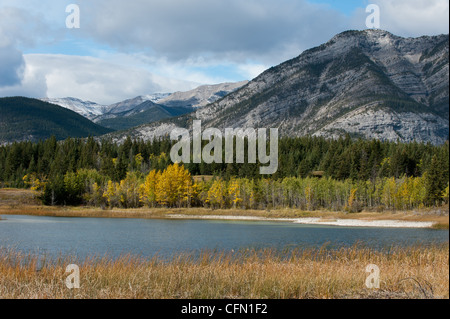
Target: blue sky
point(136, 47)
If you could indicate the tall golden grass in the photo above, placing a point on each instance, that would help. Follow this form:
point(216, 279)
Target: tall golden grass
point(413, 272)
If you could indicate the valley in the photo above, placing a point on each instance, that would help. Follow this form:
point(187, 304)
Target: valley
point(358, 177)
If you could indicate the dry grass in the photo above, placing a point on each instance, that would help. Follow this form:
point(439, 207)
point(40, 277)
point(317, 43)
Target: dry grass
point(417, 272)
point(11, 197)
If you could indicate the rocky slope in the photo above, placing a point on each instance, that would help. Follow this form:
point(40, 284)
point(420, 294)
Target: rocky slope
point(201, 96)
point(370, 84)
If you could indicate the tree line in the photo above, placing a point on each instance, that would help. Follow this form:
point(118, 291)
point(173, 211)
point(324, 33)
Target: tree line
point(175, 187)
point(313, 173)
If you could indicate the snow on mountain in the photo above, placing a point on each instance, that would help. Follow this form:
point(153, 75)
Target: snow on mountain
point(87, 109)
point(157, 97)
point(97, 112)
point(201, 96)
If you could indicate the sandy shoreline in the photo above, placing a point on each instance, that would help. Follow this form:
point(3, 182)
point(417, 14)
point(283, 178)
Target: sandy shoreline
point(316, 221)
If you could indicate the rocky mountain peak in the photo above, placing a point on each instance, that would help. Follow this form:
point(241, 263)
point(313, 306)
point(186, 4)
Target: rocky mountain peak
point(369, 84)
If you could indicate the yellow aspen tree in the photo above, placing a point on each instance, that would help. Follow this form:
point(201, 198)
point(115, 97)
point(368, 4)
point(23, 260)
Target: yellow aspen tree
point(160, 189)
point(402, 194)
point(148, 189)
point(411, 192)
point(252, 197)
point(170, 184)
point(379, 185)
point(33, 182)
point(351, 200)
point(234, 192)
point(122, 190)
point(422, 189)
point(174, 186)
point(203, 189)
point(216, 194)
point(111, 193)
point(129, 189)
point(389, 192)
point(414, 192)
point(188, 190)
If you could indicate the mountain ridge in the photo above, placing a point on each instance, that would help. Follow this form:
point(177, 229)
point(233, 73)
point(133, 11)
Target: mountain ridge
point(88, 109)
point(369, 84)
point(147, 108)
point(26, 119)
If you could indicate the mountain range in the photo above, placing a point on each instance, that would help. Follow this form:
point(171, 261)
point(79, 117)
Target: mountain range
point(369, 84)
point(147, 108)
point(25, 119)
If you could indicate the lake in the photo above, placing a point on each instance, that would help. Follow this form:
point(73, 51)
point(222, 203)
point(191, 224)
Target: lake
point(83, 237)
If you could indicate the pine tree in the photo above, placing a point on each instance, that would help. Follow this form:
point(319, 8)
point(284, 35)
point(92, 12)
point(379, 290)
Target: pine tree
point(436, 181)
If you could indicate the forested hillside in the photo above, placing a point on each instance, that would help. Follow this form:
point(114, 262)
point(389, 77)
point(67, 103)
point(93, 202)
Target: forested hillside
point(24, 119)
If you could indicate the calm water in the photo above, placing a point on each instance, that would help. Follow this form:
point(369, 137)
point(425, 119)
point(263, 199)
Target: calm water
point(97, 236)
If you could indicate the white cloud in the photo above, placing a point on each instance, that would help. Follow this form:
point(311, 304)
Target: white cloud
point(199, 70)
point(251, 71)
point(265, 30)
point(172, 45)
point(20, 28)
point(94, 79)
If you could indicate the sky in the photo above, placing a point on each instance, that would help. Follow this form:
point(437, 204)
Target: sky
point(124, 49)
